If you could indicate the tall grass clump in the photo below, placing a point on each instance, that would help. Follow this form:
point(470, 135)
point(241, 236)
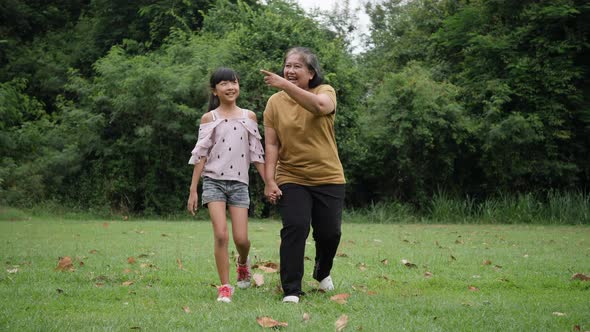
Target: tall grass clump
point(567, 208)
point(552, 207)
point(447, 209)
point(382, 213)
point(511, 209)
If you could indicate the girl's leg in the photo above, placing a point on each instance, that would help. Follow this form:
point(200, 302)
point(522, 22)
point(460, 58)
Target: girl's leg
point(239, 222)
point(221, 239)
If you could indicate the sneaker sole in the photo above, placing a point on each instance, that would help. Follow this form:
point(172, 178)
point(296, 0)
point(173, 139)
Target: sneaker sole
point(291, 299)
point(243, 284)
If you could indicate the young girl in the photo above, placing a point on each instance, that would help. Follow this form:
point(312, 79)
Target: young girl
point(228, 142)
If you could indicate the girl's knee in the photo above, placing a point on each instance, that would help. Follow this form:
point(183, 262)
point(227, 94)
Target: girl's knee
point(221, 240)
point(242, 242)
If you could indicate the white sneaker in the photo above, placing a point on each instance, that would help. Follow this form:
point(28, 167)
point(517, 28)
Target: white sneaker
point(326, 284)
point(291, 299)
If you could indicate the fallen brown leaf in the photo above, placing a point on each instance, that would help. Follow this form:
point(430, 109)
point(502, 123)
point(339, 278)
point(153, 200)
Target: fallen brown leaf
point(105, 224)
point(127, 283)
point(179, 262)
point(268, 267)
point(487, 262)
point(341, 323)
point(306, 317)
point(341, 254)
point(580, 276)
point(258, 279)
point(269, 322)
point(340, 298)
point(408, 263)
point(362, 266)
point(131, 260)
point(186, 309)
point(65, 264)
point(93, 251)
point(427, 274)
point(473, 288)
point(385, 261)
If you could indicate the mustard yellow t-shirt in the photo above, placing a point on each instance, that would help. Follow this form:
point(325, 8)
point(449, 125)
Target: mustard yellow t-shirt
point(307, 145)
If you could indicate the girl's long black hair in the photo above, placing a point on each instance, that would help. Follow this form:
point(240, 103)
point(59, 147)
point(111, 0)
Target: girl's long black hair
point(220, 74)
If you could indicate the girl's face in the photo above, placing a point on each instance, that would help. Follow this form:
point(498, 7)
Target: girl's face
point(296, 71)
point(227, 91)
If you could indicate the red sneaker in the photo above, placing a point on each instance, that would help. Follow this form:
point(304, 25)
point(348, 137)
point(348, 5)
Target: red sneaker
point(244, 274)
point(224, 293)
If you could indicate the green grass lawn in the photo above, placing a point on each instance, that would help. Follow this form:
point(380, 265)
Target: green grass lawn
point(467, 278)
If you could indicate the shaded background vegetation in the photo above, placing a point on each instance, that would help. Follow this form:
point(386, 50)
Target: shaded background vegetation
point(100, 99)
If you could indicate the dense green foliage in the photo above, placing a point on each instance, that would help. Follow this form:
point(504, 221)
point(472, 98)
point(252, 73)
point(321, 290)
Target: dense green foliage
point(100, 100)
point(482, 97)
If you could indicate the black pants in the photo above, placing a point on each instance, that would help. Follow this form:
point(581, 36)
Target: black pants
point(302, 207)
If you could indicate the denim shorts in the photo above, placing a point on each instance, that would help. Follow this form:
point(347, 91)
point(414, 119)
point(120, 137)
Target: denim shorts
point(234, 193)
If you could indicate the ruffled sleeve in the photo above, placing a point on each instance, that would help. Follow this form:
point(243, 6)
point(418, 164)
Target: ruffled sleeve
point(256, 150)
point(204, 142)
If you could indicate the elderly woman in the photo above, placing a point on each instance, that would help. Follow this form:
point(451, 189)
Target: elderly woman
point(303, 168)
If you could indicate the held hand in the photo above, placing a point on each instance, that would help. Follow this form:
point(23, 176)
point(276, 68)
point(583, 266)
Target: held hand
point(272, 192)
point(273, 80)
point(192, 203)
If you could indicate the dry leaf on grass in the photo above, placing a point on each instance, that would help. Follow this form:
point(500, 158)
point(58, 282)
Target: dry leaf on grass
point(306, 317)
point(12, 271)
point(186, 309)
point(269, 322)
point(127, 283)
point(65, 264)
point(487, 262)
point(341, 323)
point(385, 261)
point(268, 267)
point(408, 263)
point(560, 314)
point(340, 298)
point(131, 260)
point(258, 279)
point(179, 262)
point(580, 276)
point(473, 288)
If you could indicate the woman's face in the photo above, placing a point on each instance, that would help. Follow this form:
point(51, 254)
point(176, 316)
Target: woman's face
point(296, 71)
point(227, 91)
